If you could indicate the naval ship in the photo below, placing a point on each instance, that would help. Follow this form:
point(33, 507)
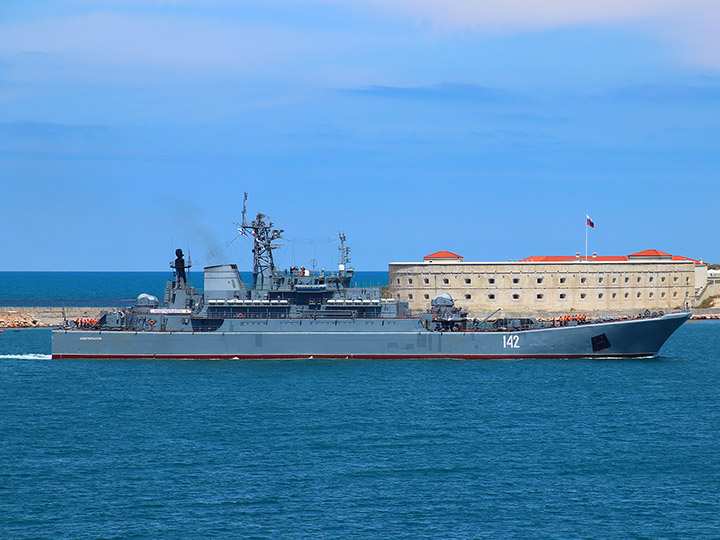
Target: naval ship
point(297, 313)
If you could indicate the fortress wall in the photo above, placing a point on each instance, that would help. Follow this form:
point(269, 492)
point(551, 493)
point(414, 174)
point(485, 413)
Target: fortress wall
point(539, 287)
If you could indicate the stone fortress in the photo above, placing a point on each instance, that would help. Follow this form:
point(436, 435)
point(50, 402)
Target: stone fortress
point(647, 280)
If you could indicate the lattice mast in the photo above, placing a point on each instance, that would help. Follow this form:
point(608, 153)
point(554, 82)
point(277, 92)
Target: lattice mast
point(263, 235)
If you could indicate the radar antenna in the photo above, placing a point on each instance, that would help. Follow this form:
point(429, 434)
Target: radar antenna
point(244, 223)
point(263, 235)
point(344, 253)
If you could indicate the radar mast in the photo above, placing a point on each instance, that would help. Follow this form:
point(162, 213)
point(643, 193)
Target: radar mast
point(344, 255)
point(263, 235)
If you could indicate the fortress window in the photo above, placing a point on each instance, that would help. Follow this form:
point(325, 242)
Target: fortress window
point(675, 294)
point(562, 295)
point(638, 280)
point(583, 295)
point(539, 296)
point(627, 294)
point(600, 280)
point(562, 280)
point(491, 280)
point(662, 295)
point(650, 295)
point(398, 281)
point(410, 296)
point(539, 280)
point(516, 296)
point(516, 280)
point(582, 280)
point(445, 281)
point(627, 279)
point(426, 296)
point(468, 297)
point(675, 278)
point(467, 280)
point(662, 279)
point(410, 281)
point(687, 280)
point(600, 295)
point(614, 295)
point(651, 279)
point(638, 295)
point(491, 296)
point(614, 280)
point(426, 280)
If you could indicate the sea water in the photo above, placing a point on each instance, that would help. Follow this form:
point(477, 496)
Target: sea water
point(110, 288)
point(141, 449)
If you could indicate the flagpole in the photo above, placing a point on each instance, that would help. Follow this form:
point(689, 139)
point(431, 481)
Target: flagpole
point(586, 226)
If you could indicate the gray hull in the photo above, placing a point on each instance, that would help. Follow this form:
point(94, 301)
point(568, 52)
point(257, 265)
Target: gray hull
point(371, 338)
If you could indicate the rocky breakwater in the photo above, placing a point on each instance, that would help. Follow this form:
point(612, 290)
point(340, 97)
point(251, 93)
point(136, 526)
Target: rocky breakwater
point(40, 316)
point(14, 319)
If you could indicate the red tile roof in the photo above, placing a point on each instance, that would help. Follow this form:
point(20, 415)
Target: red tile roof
point(650, 253)
point(681, 258)
point(566, 258)
point(609, 258)
point(443, 255)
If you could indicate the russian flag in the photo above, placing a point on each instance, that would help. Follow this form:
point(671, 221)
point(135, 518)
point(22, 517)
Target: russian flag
point(590, 221)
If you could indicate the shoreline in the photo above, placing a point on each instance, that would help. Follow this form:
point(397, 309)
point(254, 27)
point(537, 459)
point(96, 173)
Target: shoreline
point(51, 316)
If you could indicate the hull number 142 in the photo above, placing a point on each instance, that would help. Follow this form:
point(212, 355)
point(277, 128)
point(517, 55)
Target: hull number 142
point(511, 341)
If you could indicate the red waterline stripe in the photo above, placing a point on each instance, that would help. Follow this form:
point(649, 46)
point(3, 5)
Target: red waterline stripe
point(345, 356)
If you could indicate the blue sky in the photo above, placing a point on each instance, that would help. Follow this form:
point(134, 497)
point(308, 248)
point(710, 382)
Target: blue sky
point(129, 127)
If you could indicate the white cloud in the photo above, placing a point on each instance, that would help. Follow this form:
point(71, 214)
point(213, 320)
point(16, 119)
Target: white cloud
point(112, 40)
point(691, 26)
point(523, 14)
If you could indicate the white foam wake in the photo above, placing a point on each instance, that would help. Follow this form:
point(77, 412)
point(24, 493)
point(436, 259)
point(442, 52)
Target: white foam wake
point(26, 356)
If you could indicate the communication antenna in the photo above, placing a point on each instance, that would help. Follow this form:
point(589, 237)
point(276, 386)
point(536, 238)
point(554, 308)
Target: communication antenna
point(263, 234)
point(244, 222)
point(344, 251)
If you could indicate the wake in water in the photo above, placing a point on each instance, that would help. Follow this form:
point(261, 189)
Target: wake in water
point(25, 356)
